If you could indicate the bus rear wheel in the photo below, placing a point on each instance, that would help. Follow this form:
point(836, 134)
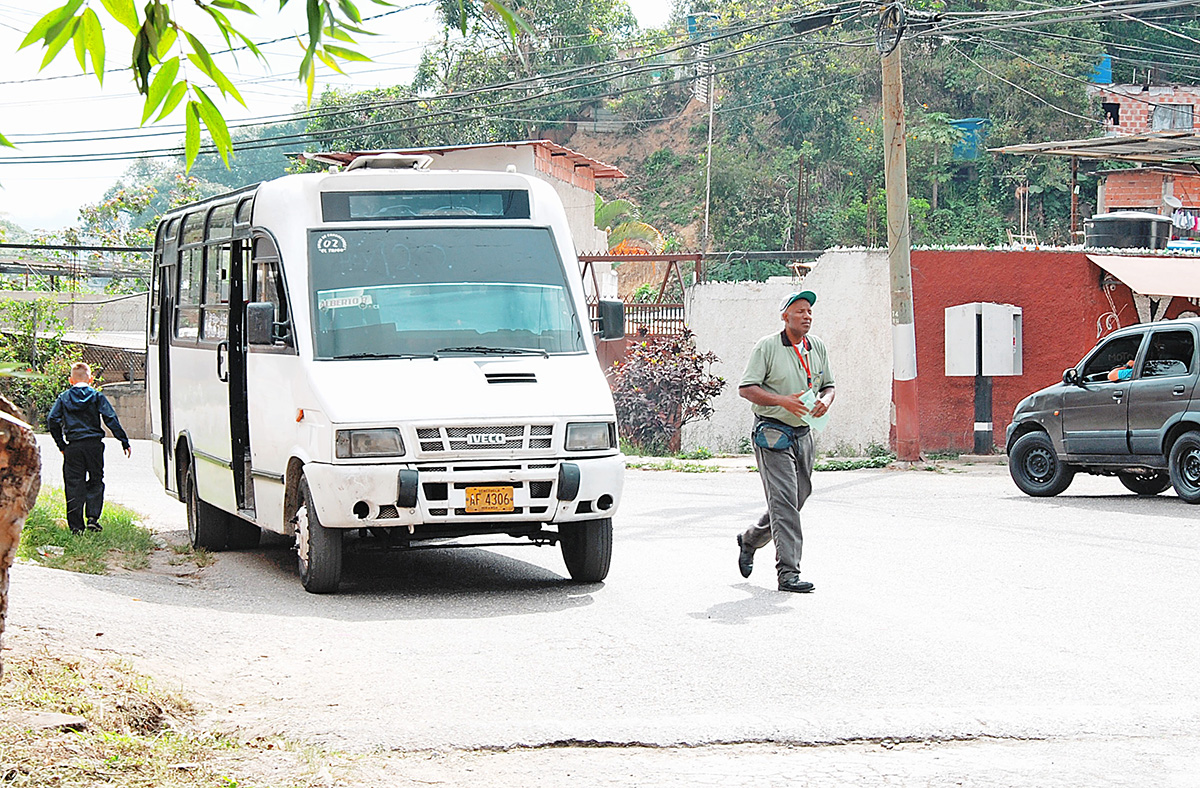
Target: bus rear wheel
point(318, 549)
point(586, 549)
point(208, 526)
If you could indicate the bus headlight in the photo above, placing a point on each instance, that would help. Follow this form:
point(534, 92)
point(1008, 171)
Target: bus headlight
point(592, 435)
point(386, 442)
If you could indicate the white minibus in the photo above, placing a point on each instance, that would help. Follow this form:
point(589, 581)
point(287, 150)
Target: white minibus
point(388, 356)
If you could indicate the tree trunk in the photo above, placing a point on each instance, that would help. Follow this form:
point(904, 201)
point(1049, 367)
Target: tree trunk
point(20, 479)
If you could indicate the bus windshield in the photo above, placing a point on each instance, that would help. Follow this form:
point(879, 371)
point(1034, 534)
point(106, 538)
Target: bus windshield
point(419, 291)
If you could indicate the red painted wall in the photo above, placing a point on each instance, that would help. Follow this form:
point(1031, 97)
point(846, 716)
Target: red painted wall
point(1064, 311)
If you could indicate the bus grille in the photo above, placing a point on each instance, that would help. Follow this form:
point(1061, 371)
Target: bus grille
point(508, 437)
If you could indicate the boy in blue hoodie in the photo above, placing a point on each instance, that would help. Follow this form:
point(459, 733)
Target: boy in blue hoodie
point(74, 422)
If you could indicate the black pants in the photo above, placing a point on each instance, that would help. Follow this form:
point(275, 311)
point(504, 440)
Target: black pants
point(83, 482)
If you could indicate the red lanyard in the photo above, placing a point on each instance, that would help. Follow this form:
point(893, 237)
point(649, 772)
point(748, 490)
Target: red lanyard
point(803, 363)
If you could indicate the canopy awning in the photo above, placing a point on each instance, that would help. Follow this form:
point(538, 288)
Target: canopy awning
point(1155, 147)
point(1157, 276)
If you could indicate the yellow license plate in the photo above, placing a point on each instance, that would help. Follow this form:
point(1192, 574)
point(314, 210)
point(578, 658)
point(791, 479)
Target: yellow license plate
point(489, 499)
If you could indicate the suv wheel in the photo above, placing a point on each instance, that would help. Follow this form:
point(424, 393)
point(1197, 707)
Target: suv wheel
point(1145, 483)
point(1185, 466)
point(1036, 468)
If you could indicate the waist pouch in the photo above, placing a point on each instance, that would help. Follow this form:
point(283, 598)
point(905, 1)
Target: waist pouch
point(776, 435)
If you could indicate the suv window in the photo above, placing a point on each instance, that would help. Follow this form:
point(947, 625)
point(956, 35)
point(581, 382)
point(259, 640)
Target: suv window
point(1170, 354)
point(1112, 354)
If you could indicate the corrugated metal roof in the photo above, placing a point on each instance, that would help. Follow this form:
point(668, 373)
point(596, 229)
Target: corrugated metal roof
point(1158, 147)
point(599, 169)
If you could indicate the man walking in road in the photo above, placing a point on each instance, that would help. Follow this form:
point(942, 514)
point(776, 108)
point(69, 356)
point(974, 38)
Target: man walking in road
point(74, 423)
point(782, 369)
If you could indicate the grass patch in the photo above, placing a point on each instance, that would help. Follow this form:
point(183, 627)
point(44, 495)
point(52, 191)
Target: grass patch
point(186, 554)
point(136, 735)
point(857, 463)
point(672, 465)
point(123, 542)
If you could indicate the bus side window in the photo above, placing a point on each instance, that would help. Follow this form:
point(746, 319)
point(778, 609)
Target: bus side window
point(266, 283)
point(216, 293)
point(191, 283)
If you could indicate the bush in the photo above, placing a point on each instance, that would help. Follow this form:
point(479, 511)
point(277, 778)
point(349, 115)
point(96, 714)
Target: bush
point(662, 384)
point(32, 338)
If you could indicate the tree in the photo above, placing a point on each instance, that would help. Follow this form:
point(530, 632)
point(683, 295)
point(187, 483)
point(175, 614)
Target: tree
point(627, 234)
point(163, 48)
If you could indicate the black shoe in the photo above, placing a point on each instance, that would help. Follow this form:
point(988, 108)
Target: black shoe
point(94, 525)
point(745, 558)
point(796, 585)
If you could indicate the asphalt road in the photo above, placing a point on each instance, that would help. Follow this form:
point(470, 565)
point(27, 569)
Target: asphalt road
point(1001, 639)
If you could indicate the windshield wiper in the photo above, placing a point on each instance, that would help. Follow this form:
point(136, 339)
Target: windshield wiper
point(493, 351)
point(385, 355)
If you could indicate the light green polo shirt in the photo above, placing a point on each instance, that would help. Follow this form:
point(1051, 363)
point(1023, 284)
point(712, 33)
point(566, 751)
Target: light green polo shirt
point(773, 365)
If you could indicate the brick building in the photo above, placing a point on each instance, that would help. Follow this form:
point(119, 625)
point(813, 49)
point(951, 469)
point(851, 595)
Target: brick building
point(1142, 109)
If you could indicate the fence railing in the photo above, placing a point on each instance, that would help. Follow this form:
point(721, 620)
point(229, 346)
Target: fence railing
point(663, 320)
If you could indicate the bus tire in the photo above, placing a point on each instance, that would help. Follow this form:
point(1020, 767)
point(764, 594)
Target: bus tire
point(242, 535)
point(586, 549)
point(318, 549)
point(208, 526)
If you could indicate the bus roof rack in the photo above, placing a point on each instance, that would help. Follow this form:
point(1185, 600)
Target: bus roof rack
point(390, 161)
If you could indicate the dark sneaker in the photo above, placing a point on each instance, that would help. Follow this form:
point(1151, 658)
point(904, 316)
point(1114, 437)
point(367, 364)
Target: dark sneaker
point(745, 558)
point(93, 525)
point(796, 585)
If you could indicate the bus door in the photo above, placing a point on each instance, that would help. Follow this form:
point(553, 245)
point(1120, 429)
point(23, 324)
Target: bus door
point(162, 309)
point(200, 357)
point(239, 411)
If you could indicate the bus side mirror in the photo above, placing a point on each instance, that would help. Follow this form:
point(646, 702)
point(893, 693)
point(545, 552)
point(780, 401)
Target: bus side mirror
point(260, 323)
point(612, 319)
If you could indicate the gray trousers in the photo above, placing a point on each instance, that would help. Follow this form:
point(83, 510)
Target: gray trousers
point(787, 481)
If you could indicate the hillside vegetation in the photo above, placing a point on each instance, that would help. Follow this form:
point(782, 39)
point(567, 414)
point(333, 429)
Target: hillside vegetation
point(796, 137)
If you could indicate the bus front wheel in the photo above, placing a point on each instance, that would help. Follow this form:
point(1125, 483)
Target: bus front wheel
point(586, 549)
point(208, 526)
point(319, 549)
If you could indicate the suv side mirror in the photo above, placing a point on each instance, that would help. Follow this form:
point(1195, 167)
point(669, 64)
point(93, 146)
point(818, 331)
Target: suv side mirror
point(612, 319)
point(1071, 376)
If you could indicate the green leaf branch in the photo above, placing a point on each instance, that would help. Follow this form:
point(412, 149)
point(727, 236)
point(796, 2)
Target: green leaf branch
point(162, 48)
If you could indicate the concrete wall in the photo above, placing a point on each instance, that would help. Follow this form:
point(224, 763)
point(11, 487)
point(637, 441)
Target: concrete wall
point(129, 402)
point(852, 316)
point(1067, 303)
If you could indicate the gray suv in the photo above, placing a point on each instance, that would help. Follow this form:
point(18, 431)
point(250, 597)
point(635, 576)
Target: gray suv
point(1143, 428)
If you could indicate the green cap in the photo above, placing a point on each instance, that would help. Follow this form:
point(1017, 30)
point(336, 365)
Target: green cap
point(807, 295)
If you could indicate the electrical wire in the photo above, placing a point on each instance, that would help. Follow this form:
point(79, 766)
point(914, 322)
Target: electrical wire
point(561, 83)
point(1029, 93)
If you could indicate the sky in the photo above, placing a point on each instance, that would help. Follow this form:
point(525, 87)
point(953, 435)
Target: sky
point(48, 112)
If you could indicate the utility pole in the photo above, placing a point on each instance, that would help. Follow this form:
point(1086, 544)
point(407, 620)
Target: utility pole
point(904, 337)
point(710, 79)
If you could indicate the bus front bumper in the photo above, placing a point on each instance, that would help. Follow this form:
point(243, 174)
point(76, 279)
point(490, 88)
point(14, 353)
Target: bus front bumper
point(385, 496)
